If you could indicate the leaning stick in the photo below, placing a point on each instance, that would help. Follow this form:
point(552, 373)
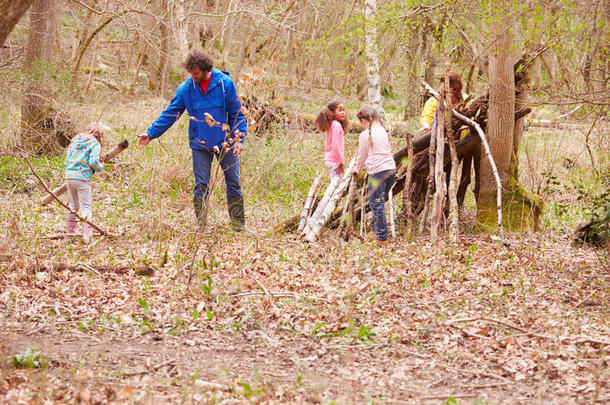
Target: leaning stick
point(348, 209)
point(322, 219)
point(106, 157)
point(362, 204)
point(392, 226)
point(487, 152)
point(100, 230)
point(313, 219)
point(309, 202)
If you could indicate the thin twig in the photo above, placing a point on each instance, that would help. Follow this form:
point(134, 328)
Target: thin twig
point(583, 300)
point(269, 296)
point(489, 320)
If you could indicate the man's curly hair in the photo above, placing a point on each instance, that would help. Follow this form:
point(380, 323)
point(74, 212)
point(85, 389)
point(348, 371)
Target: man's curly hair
point(198, 59)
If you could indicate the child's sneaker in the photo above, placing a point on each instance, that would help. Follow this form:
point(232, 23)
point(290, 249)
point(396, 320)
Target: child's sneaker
point(87, 232)
point(71, 227)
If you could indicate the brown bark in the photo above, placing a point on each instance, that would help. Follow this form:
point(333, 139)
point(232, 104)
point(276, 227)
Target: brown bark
point(37, 103)
point(501, 120)
point(11, 12)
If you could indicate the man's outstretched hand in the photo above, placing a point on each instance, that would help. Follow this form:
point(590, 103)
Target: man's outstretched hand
point(143, 140)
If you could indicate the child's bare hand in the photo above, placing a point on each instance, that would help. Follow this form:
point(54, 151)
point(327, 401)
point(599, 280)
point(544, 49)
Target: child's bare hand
point(340, 169)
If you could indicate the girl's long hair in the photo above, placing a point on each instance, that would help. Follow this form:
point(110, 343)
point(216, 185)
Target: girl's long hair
point(372, 115)
point(455, 84)
point(327, 115)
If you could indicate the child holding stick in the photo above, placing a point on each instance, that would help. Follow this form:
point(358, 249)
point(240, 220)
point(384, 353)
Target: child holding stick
point(82, 160)
point(375, 152)
point(333, 120)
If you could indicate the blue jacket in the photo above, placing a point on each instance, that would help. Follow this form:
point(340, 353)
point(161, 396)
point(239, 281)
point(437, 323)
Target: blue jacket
point(220, 101)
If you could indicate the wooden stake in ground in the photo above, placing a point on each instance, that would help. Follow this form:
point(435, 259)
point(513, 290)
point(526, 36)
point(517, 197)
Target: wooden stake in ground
point(106, 157)
point(311, 196)
point(406, 194)
point(439, 175)
point(392, 225)
point(453, 204)
point(347, 222)
point(431, 164)
point(362, 209)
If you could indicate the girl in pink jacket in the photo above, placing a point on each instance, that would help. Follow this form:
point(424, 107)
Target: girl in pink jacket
point(333, 121)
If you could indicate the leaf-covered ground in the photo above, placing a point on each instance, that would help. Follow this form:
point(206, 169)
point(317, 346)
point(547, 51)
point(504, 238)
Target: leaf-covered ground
point(269, 319)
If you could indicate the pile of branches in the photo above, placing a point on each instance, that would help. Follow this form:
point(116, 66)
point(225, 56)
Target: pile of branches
point(415, 176)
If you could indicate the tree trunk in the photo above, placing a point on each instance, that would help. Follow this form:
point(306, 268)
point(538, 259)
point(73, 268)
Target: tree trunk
point(164, 60)
point(372, 68)
point(519, 208)
point(11, 12)
point(37, 104)
point(501, 117)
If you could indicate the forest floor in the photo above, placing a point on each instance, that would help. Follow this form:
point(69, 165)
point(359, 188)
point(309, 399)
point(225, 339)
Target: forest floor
point(270, 319)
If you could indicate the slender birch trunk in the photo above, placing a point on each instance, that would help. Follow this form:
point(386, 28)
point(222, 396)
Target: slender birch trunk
point(371, 51)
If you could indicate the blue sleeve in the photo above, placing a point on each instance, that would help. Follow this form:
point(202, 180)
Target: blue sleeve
point(171, 114)
point(94, 158)
point(235, 115)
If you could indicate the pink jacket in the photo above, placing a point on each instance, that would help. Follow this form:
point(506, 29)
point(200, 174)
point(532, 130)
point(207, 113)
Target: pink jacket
point(334, 143)
point(379, 157)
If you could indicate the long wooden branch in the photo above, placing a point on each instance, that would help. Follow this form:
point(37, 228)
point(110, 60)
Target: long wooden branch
point(138, 270)
point(305, 213)
point(494, 169)
point(100, 230)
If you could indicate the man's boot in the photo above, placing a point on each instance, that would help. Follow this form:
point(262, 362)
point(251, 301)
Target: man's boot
point(200, 210)
point(236, 212)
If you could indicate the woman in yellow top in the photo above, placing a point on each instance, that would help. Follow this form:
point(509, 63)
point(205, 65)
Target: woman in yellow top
point(455, 89)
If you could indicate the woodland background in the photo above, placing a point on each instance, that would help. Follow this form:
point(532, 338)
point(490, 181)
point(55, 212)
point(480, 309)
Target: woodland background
point(230, 317)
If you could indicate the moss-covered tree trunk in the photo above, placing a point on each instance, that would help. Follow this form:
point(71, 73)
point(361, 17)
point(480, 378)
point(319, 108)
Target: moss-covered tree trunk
point(520, 209)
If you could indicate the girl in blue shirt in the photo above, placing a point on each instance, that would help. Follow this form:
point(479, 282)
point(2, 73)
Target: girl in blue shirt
point(82, 160)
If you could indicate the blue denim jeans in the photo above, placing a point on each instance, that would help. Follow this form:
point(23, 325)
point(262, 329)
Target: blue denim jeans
point(379, 187)
point(202, 164)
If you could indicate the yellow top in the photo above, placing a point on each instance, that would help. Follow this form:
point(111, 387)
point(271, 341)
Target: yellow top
point(427, 114)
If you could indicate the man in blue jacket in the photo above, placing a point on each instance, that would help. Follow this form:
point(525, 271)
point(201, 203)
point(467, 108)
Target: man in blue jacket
point(217, 127)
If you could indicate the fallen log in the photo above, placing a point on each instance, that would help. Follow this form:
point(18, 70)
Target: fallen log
point(105, 158)
point(137, 270)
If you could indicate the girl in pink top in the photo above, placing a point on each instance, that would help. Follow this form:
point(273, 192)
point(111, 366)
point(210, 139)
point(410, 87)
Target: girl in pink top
point(333, 121)
point(375, 152)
